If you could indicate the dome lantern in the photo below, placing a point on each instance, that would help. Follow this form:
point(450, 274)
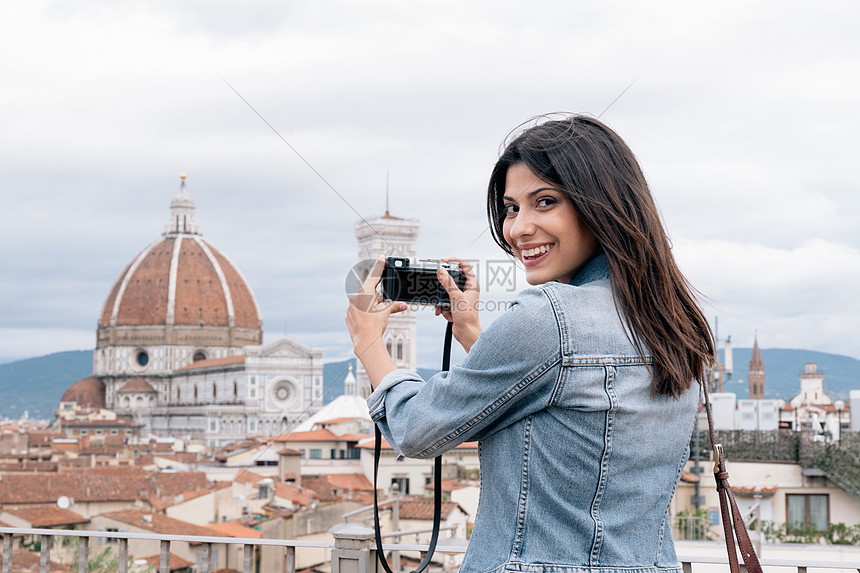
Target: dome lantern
point(182, 213)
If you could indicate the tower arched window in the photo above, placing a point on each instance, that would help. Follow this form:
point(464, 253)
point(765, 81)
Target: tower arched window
point(178, 395)
point(388, 348)
point(400, 350)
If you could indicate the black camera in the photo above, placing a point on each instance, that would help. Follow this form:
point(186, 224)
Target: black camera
point(414, 280)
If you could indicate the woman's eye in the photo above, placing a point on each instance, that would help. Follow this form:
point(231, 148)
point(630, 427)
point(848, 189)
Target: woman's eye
point(509, 209)
point(546, 201)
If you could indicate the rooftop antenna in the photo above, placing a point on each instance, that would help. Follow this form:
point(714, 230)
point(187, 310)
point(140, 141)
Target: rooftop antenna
point(386, 191)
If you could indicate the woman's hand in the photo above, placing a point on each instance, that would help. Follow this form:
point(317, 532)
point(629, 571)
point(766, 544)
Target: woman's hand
point(367, 318)
point(463, 311)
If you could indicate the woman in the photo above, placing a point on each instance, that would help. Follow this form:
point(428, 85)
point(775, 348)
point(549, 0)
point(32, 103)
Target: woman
point(582, 394)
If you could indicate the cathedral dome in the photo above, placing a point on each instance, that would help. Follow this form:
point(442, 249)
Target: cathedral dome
point(180, 290)
point(87, 393)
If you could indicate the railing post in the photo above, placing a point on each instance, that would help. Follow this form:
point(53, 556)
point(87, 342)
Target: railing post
point(45, 554)
point(204, 558)
point(7, 553)
point(354, 550)
point(83, 554)
point(290, 559)
point(164, 557)
point(123, 555)
point(248, 558)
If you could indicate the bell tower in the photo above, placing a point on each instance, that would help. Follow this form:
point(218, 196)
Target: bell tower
point(393, 237)
point(756, 374)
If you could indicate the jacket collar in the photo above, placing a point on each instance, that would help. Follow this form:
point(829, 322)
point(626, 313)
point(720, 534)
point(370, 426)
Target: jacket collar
point(594, 270)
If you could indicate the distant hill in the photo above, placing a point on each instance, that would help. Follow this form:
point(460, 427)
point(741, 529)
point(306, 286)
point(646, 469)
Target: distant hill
point(782, 367)
point(334, 374)
point(36, 385)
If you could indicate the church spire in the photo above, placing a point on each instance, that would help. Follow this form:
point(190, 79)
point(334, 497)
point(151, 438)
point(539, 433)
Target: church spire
point(182, 213)
point(756, 373)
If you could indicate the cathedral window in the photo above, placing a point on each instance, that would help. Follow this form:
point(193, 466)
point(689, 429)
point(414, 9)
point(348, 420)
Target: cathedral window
point(142, 358)
point(199, 355)
point(400, 350)
point(214, 392)
point(235, 390)
point(195, 392)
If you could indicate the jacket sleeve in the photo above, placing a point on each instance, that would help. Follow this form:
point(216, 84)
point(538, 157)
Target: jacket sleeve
point(511, 372)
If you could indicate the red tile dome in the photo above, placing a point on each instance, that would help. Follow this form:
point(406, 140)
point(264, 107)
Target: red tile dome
point(89, 393)
point(180, 283)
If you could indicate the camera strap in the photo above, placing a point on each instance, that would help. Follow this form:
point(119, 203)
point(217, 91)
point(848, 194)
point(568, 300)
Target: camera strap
point(437, 483)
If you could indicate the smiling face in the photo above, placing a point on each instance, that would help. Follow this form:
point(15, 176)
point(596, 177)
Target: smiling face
point(543, 229)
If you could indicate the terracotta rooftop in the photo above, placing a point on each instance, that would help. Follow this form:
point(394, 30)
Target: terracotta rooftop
point(276, 510)
point(160, 524)
point(12, 465)
point(350, 482)
point(448, 485)
point(320, 486)
point(42, 438)
point(48, 516)
point(137, 384)
point(235, 530)
point(215, 362)
point(354, 437)
point(311, 436)
point(288, 452)
point(28, 562)
point(162, 502)
point(423, 509)
point(247, 476)
point(175, 562)
point(89, 485)
point(297, 495)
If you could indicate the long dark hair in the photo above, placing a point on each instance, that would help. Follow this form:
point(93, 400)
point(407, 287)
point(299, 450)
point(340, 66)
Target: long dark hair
point(603, 180)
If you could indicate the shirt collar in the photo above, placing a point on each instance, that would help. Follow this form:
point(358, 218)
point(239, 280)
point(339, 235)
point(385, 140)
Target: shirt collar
point(594, 270)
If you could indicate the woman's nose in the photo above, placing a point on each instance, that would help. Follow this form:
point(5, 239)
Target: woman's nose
point(523, 225)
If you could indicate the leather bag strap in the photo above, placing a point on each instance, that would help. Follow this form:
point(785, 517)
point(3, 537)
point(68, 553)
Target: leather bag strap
point(733, 523)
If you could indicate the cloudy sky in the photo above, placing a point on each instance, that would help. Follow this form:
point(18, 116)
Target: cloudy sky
point(744, 116)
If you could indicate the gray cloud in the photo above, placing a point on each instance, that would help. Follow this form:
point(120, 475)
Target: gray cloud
point(743, 116)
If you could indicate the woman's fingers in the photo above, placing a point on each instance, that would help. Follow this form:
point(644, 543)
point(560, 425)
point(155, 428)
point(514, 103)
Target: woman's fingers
point(447, 282)
point(367, 297)
point(374, 276)
point(466, 267)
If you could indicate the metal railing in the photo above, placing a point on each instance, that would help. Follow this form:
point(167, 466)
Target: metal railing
point(353, 550)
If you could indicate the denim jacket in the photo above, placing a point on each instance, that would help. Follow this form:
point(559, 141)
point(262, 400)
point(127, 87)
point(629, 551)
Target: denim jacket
point(579, 462)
